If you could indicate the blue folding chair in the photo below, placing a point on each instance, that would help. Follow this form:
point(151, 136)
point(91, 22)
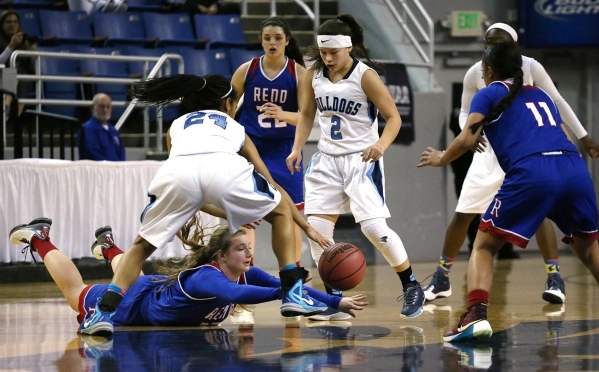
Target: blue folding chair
point(169, 29)
point(66, 27)
point(53, 90)
point(222, 31)
point(204, 62)
point(30, 21)
point(33, 4)
point(144, 5)
point(240, 56)
point(119, 28)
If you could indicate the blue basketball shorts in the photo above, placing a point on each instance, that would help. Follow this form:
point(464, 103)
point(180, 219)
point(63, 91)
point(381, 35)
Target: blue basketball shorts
point(556, 186)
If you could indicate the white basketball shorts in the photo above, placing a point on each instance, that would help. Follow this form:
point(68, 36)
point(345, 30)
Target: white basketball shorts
point(185, 183)
point(482, 182)
point(344, 183)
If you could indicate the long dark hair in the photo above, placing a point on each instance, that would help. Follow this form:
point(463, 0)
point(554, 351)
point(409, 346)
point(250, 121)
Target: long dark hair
point(292, 50)
point(193, 235)
point(195, 92)
point(505, 59)
point(343, 24)
point(4, 38)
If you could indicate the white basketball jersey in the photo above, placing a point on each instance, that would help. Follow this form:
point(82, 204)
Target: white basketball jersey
point(204, 132)
point(347, 118)
point(526, 61)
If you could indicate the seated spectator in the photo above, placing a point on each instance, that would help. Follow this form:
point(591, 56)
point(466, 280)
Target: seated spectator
point(98, 139)
point(90, 6)
point(201, 7)
point(13, 38)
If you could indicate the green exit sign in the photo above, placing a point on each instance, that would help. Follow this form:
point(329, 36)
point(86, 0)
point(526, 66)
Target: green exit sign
point(467, 23)
point(467, 20)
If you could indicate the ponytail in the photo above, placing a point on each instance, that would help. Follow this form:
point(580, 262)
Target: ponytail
point(505, 59)
point(195, 92)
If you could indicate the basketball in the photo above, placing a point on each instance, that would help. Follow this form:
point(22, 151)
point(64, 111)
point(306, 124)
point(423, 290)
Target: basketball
point(342, 266)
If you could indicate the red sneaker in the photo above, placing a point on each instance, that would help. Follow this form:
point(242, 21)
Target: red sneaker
point(473, 324)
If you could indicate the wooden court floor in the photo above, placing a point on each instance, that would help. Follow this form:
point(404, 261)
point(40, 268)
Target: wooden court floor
point(38, 331)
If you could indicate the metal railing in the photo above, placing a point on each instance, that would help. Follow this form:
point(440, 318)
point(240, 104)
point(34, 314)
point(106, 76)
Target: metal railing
point(313, 14)
point(426, 33)
point(163, 61)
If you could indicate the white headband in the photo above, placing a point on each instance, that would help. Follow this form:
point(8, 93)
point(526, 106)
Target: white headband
point(504, 27)
point(229, 92)
point(334, 41)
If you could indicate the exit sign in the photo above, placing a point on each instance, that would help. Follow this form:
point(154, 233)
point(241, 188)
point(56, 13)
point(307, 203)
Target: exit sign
point(467, 23)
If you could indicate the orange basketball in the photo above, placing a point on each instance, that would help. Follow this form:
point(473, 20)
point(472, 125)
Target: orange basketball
point(342, 266)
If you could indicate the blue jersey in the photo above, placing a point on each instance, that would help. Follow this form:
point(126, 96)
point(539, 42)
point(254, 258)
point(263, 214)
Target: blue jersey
point(530, 125)
point(258, 90)
point(201, 296)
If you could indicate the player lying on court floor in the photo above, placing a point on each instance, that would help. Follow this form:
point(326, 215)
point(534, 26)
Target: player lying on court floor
point(202, 288)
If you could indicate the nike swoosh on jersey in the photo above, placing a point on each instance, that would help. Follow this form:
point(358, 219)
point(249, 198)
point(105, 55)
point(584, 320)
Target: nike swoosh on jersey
point(324, 41)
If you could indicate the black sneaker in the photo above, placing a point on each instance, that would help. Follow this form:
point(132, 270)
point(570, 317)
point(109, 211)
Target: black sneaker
point(556, 290)
point(103, 241)
point(439, 286)
point(413, 300)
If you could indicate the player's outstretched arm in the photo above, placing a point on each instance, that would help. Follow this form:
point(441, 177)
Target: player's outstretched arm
point(350, 304)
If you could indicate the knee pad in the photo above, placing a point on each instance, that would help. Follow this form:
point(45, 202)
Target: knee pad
point(326, 229)
point(385, 240)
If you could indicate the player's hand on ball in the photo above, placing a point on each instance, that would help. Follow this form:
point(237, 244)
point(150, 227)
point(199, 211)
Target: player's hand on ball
point(349, 304)
point(373, 153)
point(430, 157)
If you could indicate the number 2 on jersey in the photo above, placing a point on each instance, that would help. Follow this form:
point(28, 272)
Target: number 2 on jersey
point(336, 128)
point(198, 118)
point(531, 106)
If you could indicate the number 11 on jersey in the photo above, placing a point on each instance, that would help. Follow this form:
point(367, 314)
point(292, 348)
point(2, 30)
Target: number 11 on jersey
point(531, 106)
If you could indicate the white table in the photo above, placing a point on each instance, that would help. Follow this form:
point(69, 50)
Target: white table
point(79, 196)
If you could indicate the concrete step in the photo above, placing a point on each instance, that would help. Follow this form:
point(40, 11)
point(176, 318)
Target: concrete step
point(301, 27)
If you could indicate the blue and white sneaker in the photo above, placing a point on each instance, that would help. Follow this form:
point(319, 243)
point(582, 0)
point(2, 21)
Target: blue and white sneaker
point(556, 290)
point(413, 300)
point(296, 302)
point(97, 323)
point(438, 287)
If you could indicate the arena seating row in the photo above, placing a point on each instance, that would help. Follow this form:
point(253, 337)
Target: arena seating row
point(133, 5)
point(53, 27)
